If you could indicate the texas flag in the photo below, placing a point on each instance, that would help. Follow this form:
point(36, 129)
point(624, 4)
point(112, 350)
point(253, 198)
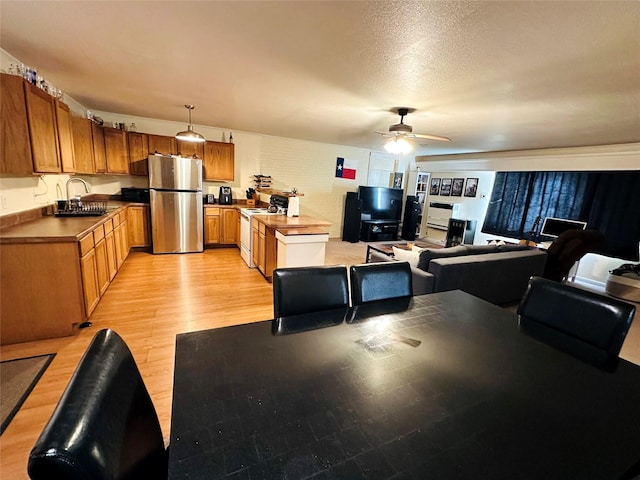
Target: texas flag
point(345, 168)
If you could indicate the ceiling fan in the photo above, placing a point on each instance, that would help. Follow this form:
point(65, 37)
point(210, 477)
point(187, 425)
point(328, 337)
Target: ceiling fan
point(400, 132)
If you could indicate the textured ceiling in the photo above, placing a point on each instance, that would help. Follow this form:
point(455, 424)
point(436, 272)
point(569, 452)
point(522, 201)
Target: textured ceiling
point(489, 75)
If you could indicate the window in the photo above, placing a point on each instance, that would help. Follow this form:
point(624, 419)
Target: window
point(608, 201)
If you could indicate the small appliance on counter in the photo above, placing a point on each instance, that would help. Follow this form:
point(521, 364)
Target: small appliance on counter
point(293, 210)
point(225, 197)
point(281, 202)
point(209, 199)
point(132, 194)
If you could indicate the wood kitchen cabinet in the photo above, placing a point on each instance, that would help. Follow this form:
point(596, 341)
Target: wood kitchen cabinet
point(138, 153)
point(99, 153)
point(161, 144)
point(211, 225)
point(255, 242)
point(189, 149)
point(221, 226)
point(102, 267)
point(110, 242)
point(218, 161)
point(138, 226)
point(65, 137)
point(35, 304)
point(116, 150)
point(41, 113)
point(15, 155)
point(259, 245)
point(83, 145)
point(121, 237)
point(89, 271)
point(229, 230)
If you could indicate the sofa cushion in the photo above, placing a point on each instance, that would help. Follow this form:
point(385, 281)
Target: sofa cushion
point(428, 254)
point(403, 255)
point(512, 248)
point(479, 249)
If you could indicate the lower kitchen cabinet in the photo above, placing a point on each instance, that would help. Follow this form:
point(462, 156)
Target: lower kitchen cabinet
point(211, 225)
point(35, 304)
point(221, 226)
point(110, 242)
point(121, 237)
point(229, 230)
point(259, 240)
point(102, 266)
point(138, 225)
point(89, 276)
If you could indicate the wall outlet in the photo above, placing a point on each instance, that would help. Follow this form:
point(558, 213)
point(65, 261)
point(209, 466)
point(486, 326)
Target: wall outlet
point(5, 203)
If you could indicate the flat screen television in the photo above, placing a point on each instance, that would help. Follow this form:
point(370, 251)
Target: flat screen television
point(381, 203)
point(552, 227)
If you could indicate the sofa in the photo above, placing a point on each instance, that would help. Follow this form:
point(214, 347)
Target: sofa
point(496, 273)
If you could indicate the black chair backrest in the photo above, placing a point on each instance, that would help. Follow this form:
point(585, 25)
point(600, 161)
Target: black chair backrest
point(105, 425)
point(301, 290)
point(371, 282)
point(567, 249)
point(588, 325)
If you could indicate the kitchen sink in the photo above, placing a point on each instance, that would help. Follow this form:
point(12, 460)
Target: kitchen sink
point(80, 213)
point(87, 209)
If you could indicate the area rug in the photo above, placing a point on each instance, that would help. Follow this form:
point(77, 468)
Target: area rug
point(17, 379)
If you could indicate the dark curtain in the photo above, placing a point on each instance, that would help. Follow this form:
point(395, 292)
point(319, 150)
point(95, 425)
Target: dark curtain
point(608, 201)
point(615, 212)
point(520, 198)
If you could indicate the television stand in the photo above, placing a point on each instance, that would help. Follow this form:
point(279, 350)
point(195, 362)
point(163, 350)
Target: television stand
point(377, 230)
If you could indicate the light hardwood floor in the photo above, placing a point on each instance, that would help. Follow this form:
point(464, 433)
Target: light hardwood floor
point(153, 298)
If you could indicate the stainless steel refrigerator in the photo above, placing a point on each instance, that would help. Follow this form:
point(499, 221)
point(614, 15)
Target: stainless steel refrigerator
point(175, 194)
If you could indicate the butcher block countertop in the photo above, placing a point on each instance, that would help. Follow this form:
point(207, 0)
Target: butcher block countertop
point(282, 221)
point(57, 229)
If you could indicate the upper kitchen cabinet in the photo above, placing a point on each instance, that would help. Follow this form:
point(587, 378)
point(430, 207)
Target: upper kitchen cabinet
point(65, 137)
point(99, 154)
point(41, 113)
point(138, 153)
point(161, 144)
point(218, 161)
point(189, 149)
point(116, 150)
point(15, 155)
point(83, 145)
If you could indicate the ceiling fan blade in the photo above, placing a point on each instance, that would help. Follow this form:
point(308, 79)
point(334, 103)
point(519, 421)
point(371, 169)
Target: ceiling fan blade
point(431, 137)
point(386, 134)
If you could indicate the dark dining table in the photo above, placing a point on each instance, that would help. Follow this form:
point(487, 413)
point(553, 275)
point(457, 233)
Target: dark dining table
point(443, 386)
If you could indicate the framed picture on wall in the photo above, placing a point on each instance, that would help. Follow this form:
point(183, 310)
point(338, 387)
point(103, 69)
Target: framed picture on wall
point(435, 187)
point(457, 186)
point(445, 187)
point(471, 189)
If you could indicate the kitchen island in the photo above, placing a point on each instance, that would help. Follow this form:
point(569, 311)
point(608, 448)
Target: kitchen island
point(264, 229)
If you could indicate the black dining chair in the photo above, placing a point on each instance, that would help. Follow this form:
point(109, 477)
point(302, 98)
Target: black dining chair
point(105, 425)
point(588, 325)
point(371, 282)
point(309, 295)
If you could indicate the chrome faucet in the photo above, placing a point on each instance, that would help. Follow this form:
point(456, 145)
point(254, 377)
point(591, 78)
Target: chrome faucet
point(77, 202)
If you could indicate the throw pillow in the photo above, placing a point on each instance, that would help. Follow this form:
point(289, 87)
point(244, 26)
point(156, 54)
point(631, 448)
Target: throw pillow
point(403, 255)
point(429, 254)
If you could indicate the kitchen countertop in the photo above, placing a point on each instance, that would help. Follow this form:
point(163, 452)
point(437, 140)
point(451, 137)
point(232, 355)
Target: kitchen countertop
point(282, 221)
point(58, 229)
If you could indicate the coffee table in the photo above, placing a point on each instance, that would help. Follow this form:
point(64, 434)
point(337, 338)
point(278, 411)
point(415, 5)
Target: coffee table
point(386, 248)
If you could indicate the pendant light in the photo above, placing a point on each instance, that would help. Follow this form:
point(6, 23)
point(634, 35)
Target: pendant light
point(189, 135)
point(397, 145)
